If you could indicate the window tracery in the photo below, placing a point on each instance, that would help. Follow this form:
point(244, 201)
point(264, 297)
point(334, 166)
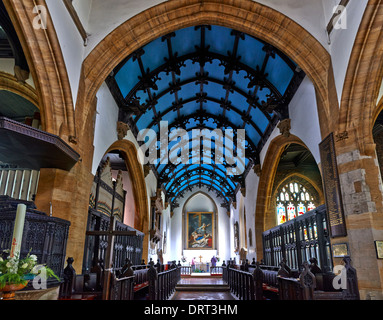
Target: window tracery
point(293, 199)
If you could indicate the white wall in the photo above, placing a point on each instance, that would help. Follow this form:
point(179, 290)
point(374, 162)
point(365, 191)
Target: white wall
point(342, 42)
point(107, 15)
point(223, 229)
point(106, 125)
point(72, 45)
point(246, 204)
point(380, 93)
point(83, 9)
point(304, 117)
point(303, 106)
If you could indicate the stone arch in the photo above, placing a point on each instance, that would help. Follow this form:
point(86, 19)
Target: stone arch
point(359, 108)
point(45, 59)
point(266, 182)
point(129, 153)
point(204, 194)
point(378, 110)
point(216, 217)
point(302, 177)
point(247, 16)
point(9, 82)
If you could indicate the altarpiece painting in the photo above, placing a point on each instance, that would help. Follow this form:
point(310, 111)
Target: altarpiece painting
point(200, 230)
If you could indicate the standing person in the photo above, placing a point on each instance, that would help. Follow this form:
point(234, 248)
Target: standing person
point(193, 264)
point(213, 261)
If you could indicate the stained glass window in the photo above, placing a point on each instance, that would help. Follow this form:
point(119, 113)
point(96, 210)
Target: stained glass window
point(301, 209)
point(291, 212)
point(293, 200)
point(281, 212)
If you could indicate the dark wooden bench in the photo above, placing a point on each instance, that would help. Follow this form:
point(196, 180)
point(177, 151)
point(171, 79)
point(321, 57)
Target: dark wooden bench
point(266, 277)
point(80, 287)
point(90, 286)
point(307, 286)
point(125, 282)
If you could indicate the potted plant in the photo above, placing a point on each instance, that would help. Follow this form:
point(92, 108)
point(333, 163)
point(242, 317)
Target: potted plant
point(15, 273)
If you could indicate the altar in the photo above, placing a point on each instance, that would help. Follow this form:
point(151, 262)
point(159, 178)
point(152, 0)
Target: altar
point(202, 267)
point(202, 258)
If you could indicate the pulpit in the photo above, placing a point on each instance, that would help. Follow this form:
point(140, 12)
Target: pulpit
point(43, 236)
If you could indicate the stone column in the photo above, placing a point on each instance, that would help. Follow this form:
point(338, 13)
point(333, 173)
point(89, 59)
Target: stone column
point(361, 186)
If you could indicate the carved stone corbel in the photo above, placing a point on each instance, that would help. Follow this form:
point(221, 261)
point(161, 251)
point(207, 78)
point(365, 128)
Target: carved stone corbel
point(257, 169)
point(21, 75)
point(284, 127)
point(146, 170)
point(122, 130)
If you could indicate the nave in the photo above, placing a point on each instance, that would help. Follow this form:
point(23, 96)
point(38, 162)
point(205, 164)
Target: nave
point(143, 143)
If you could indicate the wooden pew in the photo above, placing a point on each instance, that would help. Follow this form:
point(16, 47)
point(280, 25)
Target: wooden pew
point(125, 282)
point(162, 284)
point(79, 287)
point(306, 286)
point(301, 288)
point(266, 277)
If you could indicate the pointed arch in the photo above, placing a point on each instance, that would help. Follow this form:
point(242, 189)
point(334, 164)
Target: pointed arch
point(129, 153)
point(246, 16)
point(359, 106)
point(46, 62)
point(263, 221)
point(9, 82)
point(216, 219)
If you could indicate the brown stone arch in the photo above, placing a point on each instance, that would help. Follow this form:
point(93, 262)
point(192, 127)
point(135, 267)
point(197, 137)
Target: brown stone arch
point(141, 220)
point(9, 82)
point(378, 110)
point(266, 182)
point(359, 109)
point(247, 16)
point(45, 59)
point(129, 153)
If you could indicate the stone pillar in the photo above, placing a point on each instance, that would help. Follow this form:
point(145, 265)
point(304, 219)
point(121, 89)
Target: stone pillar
point(361, 185)
point(68, 192)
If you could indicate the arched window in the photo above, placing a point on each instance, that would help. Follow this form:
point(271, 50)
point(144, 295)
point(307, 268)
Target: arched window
point(293, 199)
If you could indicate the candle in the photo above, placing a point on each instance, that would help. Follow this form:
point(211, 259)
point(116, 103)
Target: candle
point(18, 229)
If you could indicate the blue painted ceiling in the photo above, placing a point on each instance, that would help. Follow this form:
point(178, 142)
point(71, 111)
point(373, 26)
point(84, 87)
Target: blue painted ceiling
point(206, 77)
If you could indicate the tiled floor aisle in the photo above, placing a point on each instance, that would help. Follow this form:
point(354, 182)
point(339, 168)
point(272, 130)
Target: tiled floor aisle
point(202, 295)
point(202, 280)
point(196, 295)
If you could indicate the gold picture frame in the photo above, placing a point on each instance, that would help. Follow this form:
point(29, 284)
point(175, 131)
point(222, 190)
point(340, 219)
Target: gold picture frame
point(340, 250)
point(379, 249)
point(200, 231)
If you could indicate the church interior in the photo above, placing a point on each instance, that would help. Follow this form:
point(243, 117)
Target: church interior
point(151, 149)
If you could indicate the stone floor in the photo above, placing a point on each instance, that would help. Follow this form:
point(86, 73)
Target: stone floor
point(202, 295)
point(202, 288)
point(202, 281)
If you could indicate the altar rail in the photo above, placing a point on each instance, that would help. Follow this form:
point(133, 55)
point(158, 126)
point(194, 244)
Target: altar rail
point(44, 236)
point(185, 270)
point(163, 284)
